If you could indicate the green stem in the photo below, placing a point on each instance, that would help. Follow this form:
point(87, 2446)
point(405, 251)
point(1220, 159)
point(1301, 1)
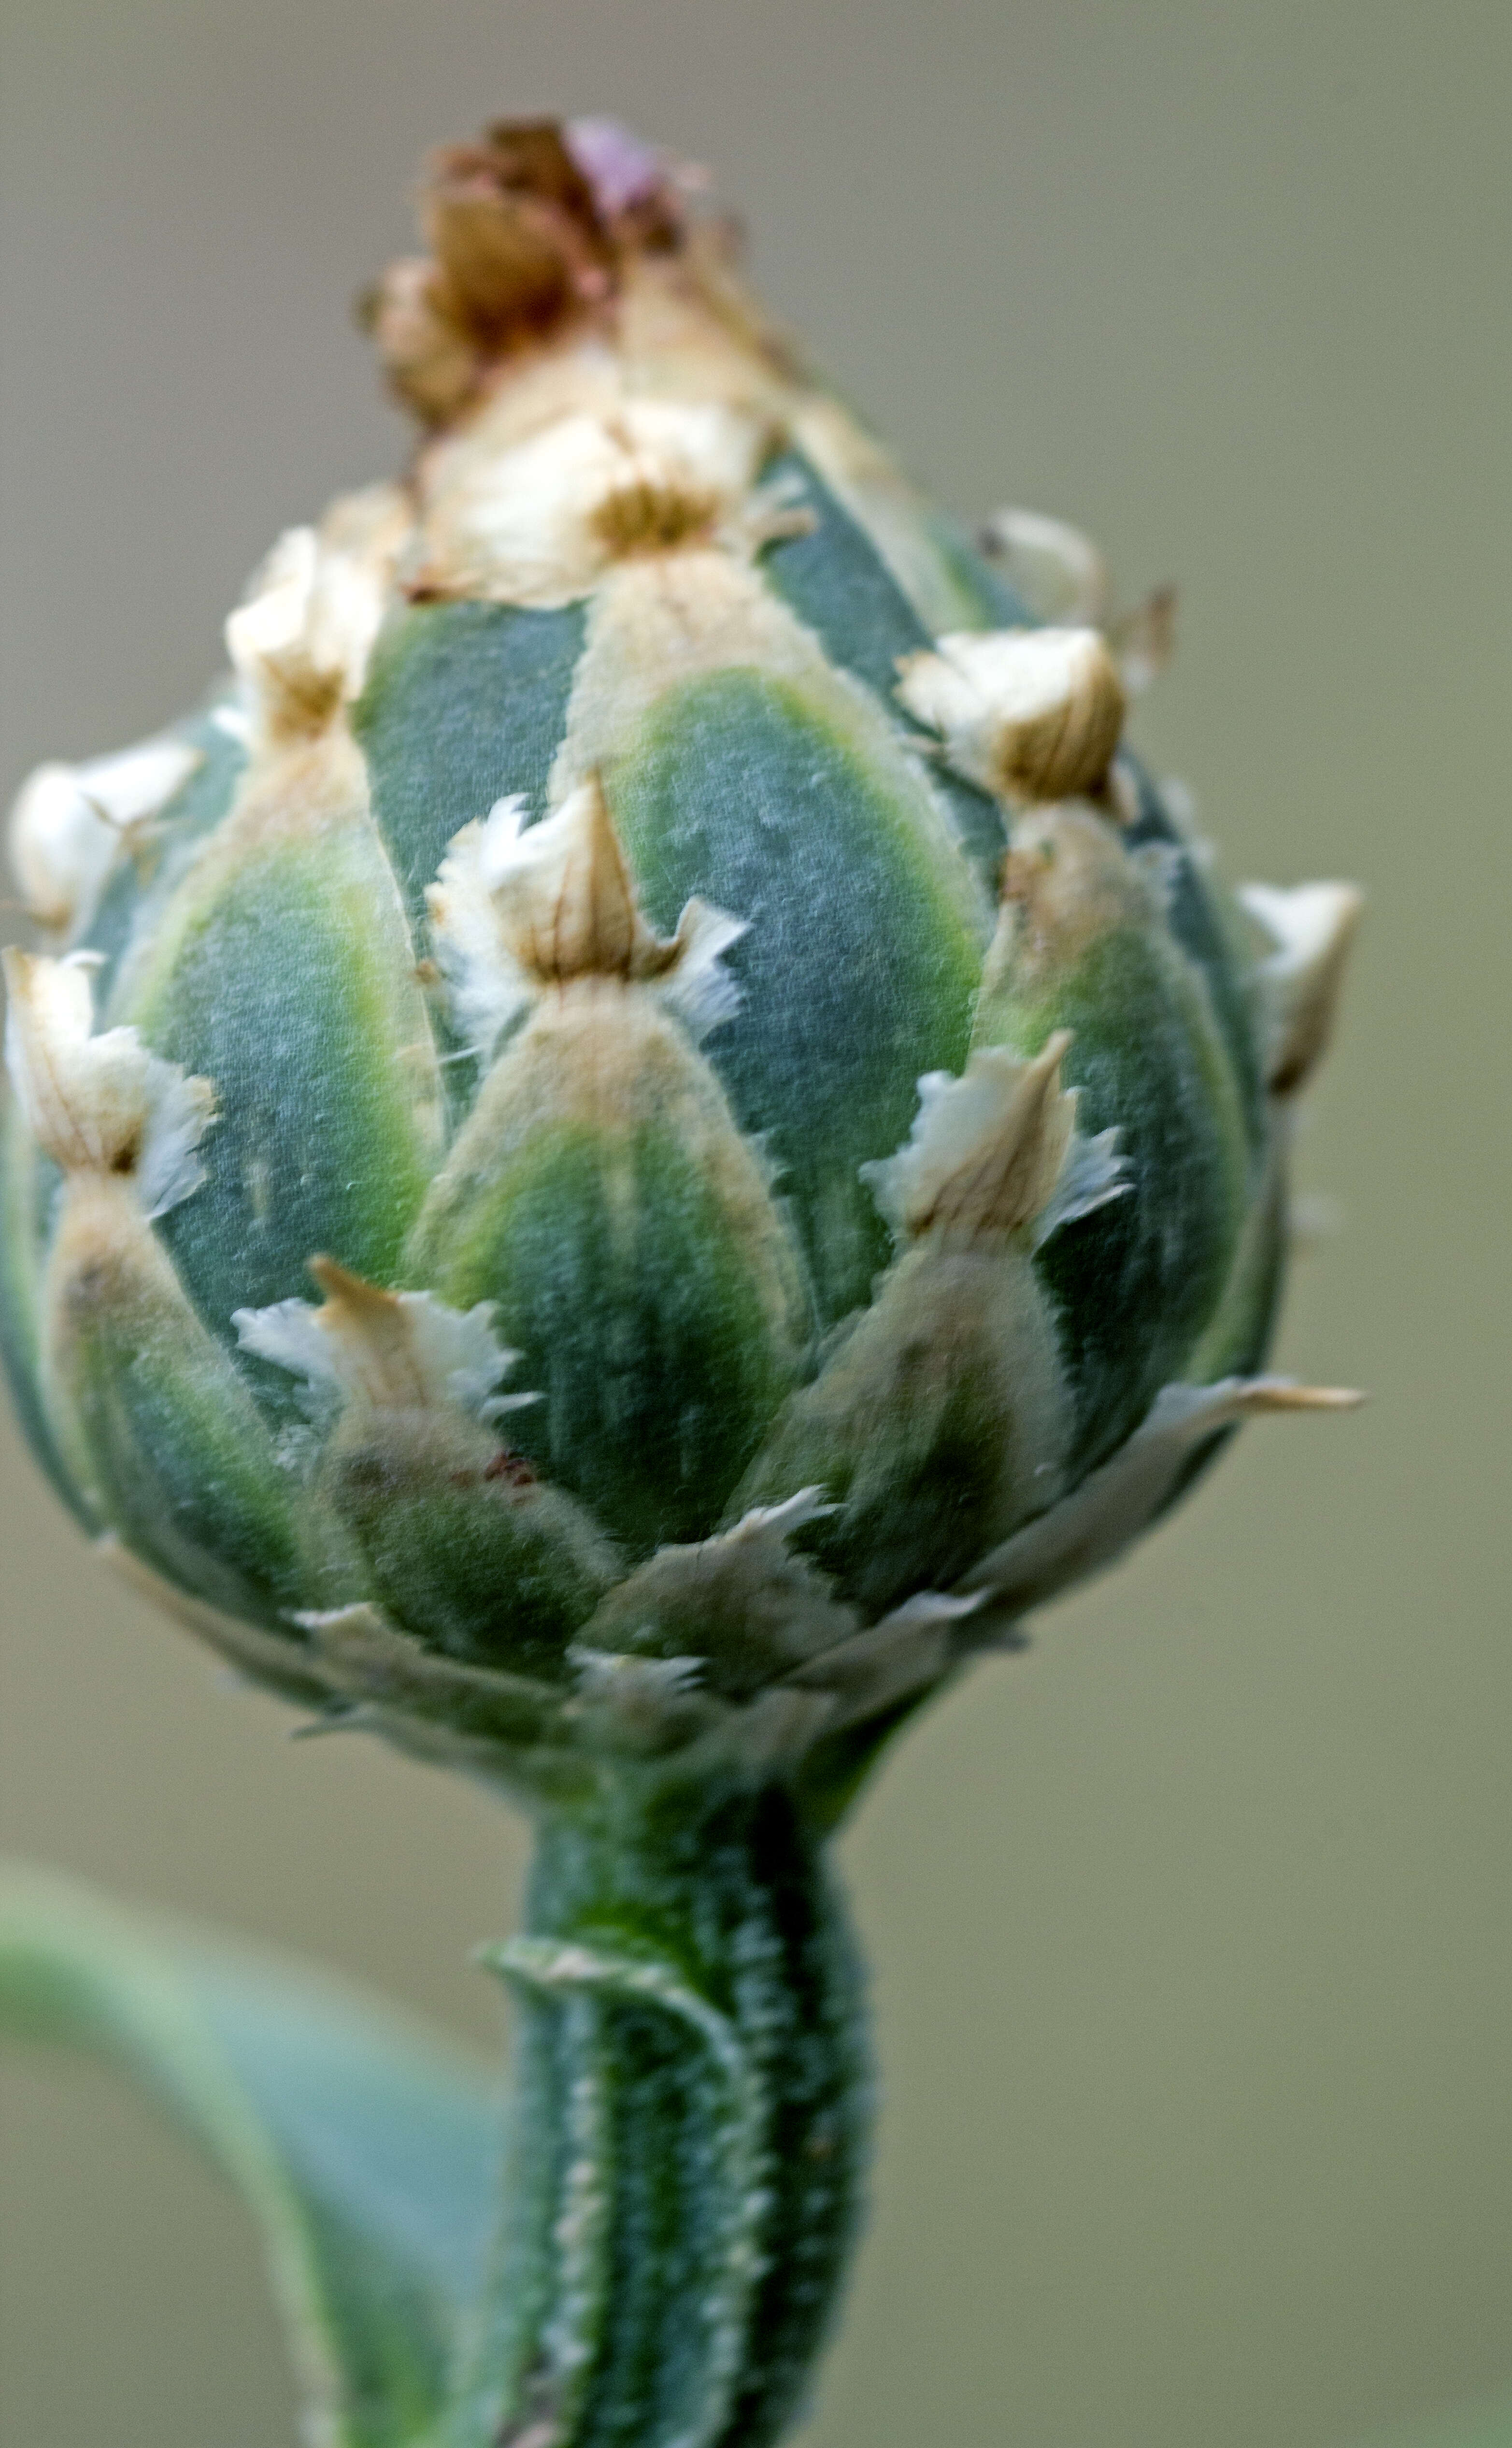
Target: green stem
point(691, 2116)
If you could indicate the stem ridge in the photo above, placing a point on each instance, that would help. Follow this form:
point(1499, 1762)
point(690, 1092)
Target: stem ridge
point(692, 2106)
point(588, 1982)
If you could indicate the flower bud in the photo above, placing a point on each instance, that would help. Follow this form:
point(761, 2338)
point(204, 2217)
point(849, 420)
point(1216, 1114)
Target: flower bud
point(648, 1131)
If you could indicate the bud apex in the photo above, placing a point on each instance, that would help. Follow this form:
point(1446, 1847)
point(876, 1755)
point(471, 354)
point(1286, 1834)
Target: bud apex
point(624, 174)
point(515, 232)
point(529, 233)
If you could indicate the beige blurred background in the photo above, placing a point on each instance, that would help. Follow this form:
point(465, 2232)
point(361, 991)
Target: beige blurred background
point(1191, 1929)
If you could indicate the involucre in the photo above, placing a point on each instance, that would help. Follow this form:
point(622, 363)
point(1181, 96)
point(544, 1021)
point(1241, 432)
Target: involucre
point(640, 1138)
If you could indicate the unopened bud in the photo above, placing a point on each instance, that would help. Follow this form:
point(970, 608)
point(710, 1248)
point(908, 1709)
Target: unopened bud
point(653, 1131)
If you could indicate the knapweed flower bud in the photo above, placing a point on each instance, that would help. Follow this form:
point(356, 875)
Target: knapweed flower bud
point(648, 1130)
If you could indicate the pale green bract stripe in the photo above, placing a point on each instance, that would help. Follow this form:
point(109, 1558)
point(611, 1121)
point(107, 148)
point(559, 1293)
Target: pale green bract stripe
point(284, 972)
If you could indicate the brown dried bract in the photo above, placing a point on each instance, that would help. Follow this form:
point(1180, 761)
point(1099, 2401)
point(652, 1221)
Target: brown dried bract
point(516, 239)
point(522, 247)
point(580, 918)
point(434, 366)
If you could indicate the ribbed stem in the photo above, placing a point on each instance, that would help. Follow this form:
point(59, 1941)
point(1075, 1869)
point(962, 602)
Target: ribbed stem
point(691, 2099)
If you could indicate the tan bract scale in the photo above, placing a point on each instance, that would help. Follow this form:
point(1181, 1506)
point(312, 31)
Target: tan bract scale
point(1029, 715)
point(1314, 926)
point(643, 1707)
point(582, 377)
point(71, 823)
point(745, 1586)
point(745, 1583)
point(384, 1351)
point(301, 642)
point(566, 901)
point(637, 1704)
point(368, 1658)
point(1063, 579)
point(541, 524)
point(468, 343)
point(520, 252)
point(643, 515)
point(1264, 1394)
point(519, 907)
point(1089, 1528)
point(1067, 881)
point(906, 1650)
point(987, 1148)
point(370, 525)
point(98, 1104)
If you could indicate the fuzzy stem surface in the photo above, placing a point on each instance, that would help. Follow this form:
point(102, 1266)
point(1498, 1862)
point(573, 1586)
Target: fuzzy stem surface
point(692, 2109)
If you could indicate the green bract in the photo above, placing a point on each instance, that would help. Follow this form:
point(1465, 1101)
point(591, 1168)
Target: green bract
point(647, 1133)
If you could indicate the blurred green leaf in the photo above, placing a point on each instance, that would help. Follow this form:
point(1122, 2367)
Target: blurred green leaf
point(367, 2147)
